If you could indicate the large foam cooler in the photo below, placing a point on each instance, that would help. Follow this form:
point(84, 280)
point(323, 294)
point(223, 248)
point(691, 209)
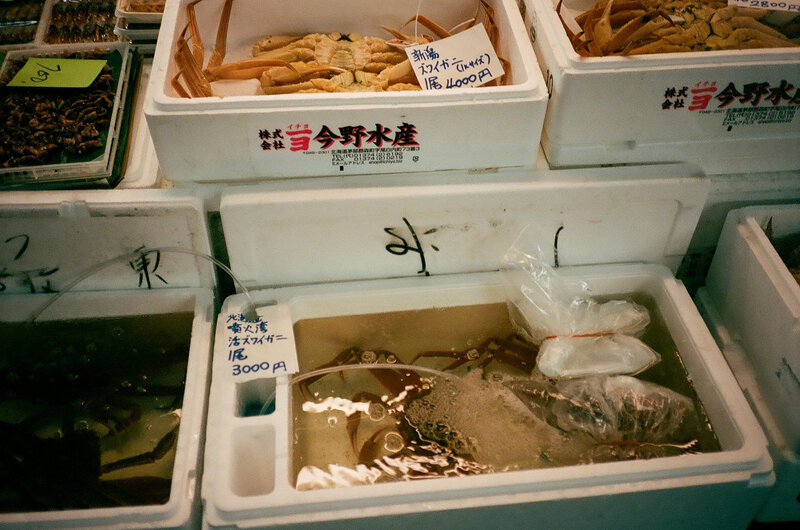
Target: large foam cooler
point(650, 108)
point(759, 301)
point(54, 239)
point(753, 305)
point(218, 139)
point(331, 235)
point(732, 192)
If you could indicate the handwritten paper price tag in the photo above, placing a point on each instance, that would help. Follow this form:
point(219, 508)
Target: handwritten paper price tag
point(772, 5)
point(57, 72)
point(263, 348)
point(466, 59)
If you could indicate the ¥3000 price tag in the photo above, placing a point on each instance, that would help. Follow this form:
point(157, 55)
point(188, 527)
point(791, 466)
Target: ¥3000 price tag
point(52, 72)
point(261, 348)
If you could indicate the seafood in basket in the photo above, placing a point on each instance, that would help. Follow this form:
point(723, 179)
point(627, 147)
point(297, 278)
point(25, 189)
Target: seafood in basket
point(73, 21)
point(315, 62)
point(144, 6)
point(19, 21)
point(60, 124)
point(632, 27)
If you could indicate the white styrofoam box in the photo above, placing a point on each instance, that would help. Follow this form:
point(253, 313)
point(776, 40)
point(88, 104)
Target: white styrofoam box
point(731, 192)
point(52, 239)
point(182, 508)
point(248, 459)
point(143, 11)
point(220, 139)
point(759, 302)
point(141, 165)
point(211, 192)
point(737, 190)
point(782, 503)
point(653, 108)
point(280, 234)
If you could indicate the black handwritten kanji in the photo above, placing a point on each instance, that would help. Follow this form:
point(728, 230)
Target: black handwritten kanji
point(402, 248)
point(146, 267)
point(36, 279)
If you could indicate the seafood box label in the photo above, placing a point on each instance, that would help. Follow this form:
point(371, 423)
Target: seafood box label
point(349, 144)
point(467, 59)
point(52, 72)
point(260, 348)
point(750, 103)
point(773, 5)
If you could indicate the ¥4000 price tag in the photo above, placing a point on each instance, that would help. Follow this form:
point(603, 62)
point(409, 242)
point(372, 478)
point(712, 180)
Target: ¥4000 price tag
point(261, 348)
point(466, 59)
point(52, 72)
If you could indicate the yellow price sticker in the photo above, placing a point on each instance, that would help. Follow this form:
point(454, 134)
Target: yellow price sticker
point(57, 72)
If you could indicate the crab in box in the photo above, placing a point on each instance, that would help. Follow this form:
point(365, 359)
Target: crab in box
point(315, 62)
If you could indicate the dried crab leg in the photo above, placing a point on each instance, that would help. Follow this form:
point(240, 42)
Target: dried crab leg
point(191, 79)
point(632, 27)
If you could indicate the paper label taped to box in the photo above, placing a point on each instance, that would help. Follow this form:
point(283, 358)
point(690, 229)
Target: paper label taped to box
point(772, 5)
point(260, 348)
point(467, 59)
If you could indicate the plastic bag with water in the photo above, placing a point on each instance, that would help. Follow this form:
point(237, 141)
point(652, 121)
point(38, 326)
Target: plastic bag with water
point(577, 335)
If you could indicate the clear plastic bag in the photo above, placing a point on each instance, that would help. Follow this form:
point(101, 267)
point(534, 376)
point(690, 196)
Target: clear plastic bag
point(612, 408)
point(577, 335)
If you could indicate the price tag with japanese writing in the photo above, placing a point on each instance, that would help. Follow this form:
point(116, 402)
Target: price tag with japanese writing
point(263, 348)
point(466, 59)
point(772, 5)
point(57, 72)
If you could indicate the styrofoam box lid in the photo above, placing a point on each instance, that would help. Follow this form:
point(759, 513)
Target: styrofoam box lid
point(320, 230)
point(48, 240)
point(759, 302)
point(246, 476)
point(324, 16)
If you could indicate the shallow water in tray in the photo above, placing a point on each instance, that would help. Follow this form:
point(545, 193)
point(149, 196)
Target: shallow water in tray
point(486, 412)
point(788, 248)
point(89, 411)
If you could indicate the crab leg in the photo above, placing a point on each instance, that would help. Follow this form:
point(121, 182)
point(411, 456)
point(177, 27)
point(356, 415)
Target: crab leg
point(602, 29)
point(617, 8)
point(194, 32)
point(248, 69)
point(196, 83)
point(635, 29)
point(220, 46)
point(428, 23)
